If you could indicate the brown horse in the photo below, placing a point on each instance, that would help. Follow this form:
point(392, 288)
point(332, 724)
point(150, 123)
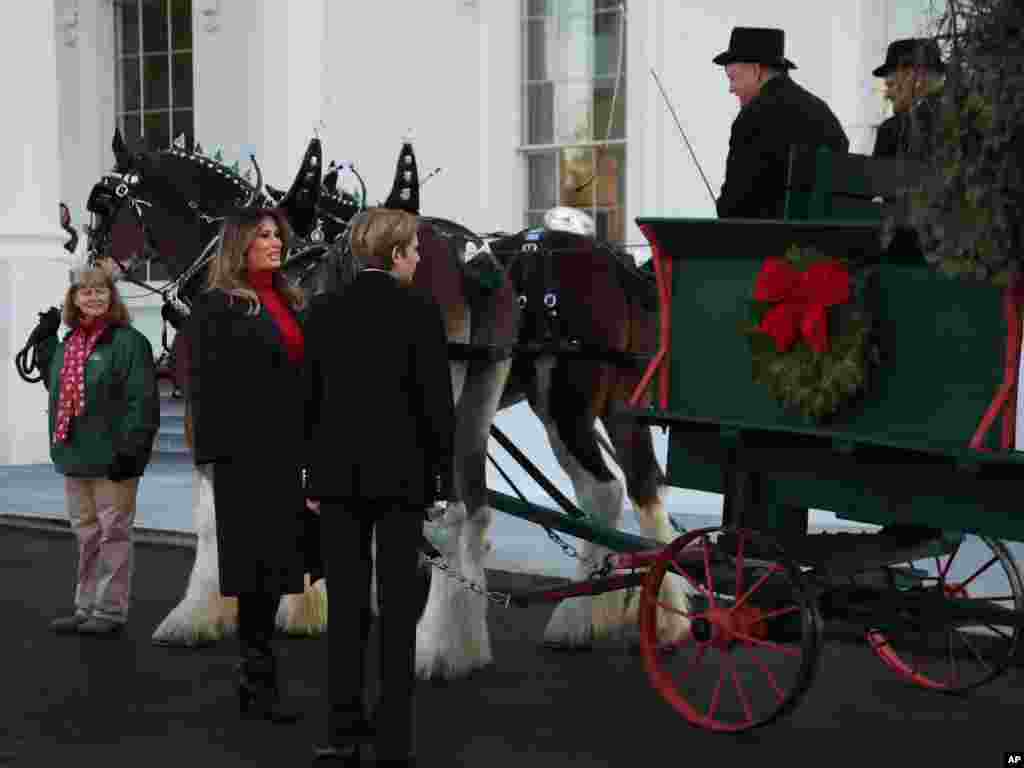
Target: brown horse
point(564, 298)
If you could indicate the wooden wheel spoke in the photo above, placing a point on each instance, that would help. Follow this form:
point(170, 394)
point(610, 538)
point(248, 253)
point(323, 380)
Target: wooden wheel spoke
point(757, 585)
point(795, 652)
point(739, 564)
point(954, 679)
point(716, 695)
point(740, 693)
point(970, 647)
point(780, 612)
point(693, 582)
point(949, 562)
point(772, 681)
point(980, 571)
point(707, 571)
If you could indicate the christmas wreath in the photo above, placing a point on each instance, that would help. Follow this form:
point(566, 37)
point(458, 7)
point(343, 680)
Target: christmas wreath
point(810, 332)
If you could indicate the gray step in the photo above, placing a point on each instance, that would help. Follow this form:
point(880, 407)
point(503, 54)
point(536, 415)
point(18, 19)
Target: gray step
point(170, 440)
point(170, 443)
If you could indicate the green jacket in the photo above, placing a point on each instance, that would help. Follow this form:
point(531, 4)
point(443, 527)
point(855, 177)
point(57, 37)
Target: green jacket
point(116, 430)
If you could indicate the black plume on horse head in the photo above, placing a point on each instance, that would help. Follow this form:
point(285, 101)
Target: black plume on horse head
point(405, 189)
point(301, 201)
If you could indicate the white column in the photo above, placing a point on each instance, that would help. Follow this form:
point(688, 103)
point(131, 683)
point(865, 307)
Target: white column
point(33, 266)
point(286, 89)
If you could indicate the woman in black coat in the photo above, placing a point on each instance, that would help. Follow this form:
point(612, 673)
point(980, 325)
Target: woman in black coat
point(245, 397)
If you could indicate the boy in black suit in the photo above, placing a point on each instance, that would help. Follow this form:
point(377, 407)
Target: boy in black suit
point(380, 428)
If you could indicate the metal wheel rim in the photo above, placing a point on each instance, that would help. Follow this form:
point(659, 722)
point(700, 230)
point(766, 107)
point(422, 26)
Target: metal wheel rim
point(654, 657)
point(882, 645)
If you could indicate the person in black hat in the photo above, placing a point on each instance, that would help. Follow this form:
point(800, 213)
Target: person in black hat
point(775, 113)
point(914, 74)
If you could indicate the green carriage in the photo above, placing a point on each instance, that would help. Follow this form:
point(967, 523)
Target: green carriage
point(803, 366)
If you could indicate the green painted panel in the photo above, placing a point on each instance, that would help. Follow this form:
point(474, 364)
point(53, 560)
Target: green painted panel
point(942, 340)
point(897, 454)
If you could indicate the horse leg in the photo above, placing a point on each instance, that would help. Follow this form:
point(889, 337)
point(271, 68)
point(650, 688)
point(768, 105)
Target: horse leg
point(634, 451)
point(203, 615)
point(564, 399)
point(452, 638)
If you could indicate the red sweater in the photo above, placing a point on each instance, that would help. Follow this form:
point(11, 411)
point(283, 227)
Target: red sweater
point(291, 332)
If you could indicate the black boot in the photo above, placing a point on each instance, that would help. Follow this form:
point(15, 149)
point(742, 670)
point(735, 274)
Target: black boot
point(258, 690)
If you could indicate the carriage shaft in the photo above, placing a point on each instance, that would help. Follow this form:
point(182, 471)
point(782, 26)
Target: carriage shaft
point(581, 528)
point(577, 589)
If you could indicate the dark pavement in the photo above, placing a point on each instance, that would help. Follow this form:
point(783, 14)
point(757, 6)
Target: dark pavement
point(121, 701)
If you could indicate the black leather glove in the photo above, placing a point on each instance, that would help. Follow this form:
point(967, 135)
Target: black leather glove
point(123, 468)
point(49, 324)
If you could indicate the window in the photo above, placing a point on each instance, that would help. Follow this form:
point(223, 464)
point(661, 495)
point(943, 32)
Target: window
point(154, 70)
point(154, 80)
point(574, 107)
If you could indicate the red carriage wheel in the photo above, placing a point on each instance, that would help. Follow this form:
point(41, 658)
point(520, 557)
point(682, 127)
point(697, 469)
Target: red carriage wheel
point(755, 630)
point(952, 659)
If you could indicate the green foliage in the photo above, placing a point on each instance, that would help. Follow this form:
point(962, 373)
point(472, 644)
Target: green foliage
point(967, 207)
point(816, 385)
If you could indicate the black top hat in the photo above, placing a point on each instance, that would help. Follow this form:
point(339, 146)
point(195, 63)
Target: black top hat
point(922, 51)
point(756, 45)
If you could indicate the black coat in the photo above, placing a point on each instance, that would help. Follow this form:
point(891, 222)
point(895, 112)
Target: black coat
point(245, 398)
point(380, 422)
point(781, 115)
point(909, 132)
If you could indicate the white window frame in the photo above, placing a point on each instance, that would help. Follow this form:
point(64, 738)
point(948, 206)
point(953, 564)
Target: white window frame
point(532, 215)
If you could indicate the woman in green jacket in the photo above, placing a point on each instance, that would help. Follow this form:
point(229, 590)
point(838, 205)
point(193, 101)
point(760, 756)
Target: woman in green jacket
point(104, 413)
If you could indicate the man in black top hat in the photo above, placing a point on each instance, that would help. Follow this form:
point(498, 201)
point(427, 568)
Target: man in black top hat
point(913, 73)
point(775, 113)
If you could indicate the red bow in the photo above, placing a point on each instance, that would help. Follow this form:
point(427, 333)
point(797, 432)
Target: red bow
point(803, 300)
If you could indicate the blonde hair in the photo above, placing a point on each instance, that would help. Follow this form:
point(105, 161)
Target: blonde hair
point(94, 277)
point(228, 268)
point(377, 232)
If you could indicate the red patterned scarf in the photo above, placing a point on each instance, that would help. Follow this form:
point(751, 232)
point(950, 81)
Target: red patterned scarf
point(77, 349)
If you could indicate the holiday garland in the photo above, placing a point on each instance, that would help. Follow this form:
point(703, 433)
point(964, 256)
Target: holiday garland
point(810, 335)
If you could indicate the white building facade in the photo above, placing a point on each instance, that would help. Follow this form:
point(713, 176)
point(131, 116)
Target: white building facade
point(522, 104)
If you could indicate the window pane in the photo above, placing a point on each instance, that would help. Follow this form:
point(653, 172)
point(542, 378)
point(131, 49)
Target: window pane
point(158, 129)
point(130, 84)
point(577, 178)
point(182, 79)
point(610, 192)
point(541, 50)
point(604, 94)
point(132, 128)
point(157, 81)
point(574, 114)
point(541, 175)
point(154, 25)
point(610, 184)
point(540, 117)
point(182, 123)
point(576, 40)
point(181, 24)
point(607, 4)
point(130, 27)
point(607, 39)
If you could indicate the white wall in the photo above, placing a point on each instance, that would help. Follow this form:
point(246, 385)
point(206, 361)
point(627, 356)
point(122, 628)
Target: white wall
point(448, 71)
point(834, 45)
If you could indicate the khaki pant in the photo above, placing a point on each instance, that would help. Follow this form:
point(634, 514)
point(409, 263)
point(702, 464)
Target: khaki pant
point(102, 514)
